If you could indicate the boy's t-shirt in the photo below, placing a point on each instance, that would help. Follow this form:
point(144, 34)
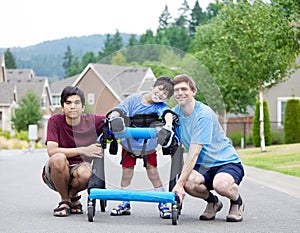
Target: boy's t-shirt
point(84, 134)
point(133, 105)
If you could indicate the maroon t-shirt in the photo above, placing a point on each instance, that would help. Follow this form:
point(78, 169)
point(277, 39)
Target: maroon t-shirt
point(84, 134)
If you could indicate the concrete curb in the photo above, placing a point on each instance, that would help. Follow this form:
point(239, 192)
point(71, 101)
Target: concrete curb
point(275, 180)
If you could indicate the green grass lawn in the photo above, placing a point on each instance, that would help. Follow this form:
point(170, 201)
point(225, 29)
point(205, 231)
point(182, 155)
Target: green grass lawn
point(280, 158)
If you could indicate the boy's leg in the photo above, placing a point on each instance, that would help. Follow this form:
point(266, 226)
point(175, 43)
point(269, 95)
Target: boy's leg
point(60, 177)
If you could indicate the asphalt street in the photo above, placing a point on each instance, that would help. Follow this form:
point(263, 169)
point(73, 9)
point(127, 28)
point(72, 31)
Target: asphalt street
point(272, 202)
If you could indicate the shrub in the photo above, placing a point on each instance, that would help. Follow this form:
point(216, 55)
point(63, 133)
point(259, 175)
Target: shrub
point(236, 138)
point(22, 135)
point(277, 136)
point(256, 125)
point(5, 134)
point(291, 121)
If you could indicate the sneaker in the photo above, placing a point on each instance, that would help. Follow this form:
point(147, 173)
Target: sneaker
point(211, 210)
point(122, 209)
point(235, 213)
point(164, 211)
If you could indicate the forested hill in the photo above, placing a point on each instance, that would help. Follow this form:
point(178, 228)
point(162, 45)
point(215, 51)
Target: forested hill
point(46, 58)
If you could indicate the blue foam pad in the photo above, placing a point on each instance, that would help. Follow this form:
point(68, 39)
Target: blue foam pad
point(130, 195)
point(131, 132)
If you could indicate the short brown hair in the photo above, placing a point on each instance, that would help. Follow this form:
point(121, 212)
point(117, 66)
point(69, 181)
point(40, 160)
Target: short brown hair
point(187, 79)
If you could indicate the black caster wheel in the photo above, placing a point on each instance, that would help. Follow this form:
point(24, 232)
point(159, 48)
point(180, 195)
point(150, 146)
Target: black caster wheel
point(91, 213)
point(174, 216)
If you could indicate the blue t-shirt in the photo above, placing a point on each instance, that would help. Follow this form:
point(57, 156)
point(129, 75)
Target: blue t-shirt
point(133, 105)
point(202, 127)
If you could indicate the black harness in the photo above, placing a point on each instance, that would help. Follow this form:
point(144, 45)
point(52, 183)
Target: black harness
point(138, 120)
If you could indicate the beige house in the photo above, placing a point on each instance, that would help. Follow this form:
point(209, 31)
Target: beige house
point(14, 86)
point(106, 85)
point(278, 95)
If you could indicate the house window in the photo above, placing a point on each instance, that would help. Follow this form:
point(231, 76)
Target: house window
point(56, 100)
point(281, 104)
point(91, 98)
point(44, 102)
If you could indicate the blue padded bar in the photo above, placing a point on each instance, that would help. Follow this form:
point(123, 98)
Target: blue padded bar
point(130, 132)
point(131, 195)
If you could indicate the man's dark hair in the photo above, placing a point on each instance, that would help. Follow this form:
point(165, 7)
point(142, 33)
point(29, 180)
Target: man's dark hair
point(70, 90)
point(167, 83)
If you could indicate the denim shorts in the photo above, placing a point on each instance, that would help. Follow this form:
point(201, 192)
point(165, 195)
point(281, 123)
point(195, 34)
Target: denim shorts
point(236, 170)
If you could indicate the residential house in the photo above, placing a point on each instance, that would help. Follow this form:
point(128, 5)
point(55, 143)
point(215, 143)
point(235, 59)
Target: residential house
point(2, 67)
point(278, 95)
point(15, 86)
point(106, 85)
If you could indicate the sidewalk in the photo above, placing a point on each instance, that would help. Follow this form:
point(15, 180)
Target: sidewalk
point(275, 180)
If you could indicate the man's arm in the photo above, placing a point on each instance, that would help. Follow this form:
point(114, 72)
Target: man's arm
point(93, 150)
point(188, 167)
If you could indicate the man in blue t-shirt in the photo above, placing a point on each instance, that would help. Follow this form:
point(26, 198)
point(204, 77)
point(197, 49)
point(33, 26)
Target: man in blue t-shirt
point(212, 163)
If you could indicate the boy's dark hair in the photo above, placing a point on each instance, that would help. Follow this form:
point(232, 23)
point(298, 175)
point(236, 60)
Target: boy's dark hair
point(70, 90)
point(167, 83)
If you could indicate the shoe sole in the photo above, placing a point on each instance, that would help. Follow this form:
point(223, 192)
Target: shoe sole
point(229, 219)
point(208, 219)
point(120, 214)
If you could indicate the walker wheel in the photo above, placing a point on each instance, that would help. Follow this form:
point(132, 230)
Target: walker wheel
point(91, 211)
point(174, 216)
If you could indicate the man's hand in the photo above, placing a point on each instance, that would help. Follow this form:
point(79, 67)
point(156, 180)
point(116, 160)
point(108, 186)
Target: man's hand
point(94, 150)
point(179, 190)
point(165, 135)
point(116, 124)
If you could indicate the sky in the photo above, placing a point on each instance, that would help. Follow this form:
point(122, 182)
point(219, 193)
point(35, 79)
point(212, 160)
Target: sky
point(25, 23)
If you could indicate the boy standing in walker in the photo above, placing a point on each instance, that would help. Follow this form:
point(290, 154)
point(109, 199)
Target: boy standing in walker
point(142, 110)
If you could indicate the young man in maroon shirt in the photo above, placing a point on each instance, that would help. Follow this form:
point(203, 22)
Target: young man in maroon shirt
point(71, 146)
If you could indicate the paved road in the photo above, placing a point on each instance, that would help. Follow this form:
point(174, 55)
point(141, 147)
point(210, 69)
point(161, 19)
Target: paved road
point(272, 202)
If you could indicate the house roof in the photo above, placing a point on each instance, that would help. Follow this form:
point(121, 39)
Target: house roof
point(36, 85)
point(6, 93)
point(21, 87)
point(122, 80)
point(56, 87)
point(19, 74)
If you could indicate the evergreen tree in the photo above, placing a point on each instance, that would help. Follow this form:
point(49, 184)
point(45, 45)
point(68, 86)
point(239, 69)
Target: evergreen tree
point(256, 125)
point(10, 62)
point(87, 58)
point(29, 112)
point(198, 17)
point(182, 20)
point(164, 18)
point(292, 121)
point(67, 60)
point(132, 41)
point(74, 68)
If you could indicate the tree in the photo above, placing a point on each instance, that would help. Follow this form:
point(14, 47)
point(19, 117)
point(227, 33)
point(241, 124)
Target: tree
point(29, 112)
point(292, 121)
point(87, 58)
point(74, 68)
point(183, 19)
point(164, 18)
point(256, 125)
point(111, 44)
point(67, 60)
point(248, 47)
point(10, 62)
point(198, 17)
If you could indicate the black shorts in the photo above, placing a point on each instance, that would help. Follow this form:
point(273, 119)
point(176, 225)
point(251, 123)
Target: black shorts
point(236, 170)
